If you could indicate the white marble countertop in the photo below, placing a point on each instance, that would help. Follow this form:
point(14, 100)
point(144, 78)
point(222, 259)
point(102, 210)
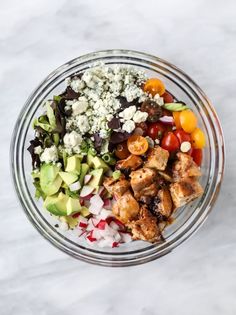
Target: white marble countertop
point(38, 36)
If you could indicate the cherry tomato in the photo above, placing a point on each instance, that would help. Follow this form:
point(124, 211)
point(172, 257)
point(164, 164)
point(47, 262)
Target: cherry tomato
point(154, 86)
point(197, 156)
point(137, 145)
point(198, 139)
point(153, 109)
point(122, 151)
point(182, 135)
point(188, 120)
point(176, 119)
point(156, 130)
point(143, 126)
point(170, 142)
point(168, 98)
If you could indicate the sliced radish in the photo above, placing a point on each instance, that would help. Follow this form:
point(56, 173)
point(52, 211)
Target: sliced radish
point(87, 178)
point(94, 209)
point(90, 237)
point(108, 231)
point(82, 232)
point(86, 191)
point(114, 226)
point(118, 222)
point(117, 237)
point(75, 186)
point(97, 200)
point(107, 204)
point(83, 222)
point(168, 120)
point(115, 244)
point(104, 214)
point(95, 221)
point(125, 237)
point(101, 190)
point(96, 234)
point(101, 225)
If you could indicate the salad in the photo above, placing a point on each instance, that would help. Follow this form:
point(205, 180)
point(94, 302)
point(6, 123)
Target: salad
point(115, 155)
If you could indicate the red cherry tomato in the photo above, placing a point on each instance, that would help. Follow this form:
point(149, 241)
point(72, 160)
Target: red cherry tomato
point(182, 135)
point(168, 98)
point(156, 130)
point(170, 142)
point(197, 156)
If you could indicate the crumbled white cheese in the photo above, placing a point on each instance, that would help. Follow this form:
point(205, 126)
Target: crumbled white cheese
point(76, 84)
point(140, 116)
point(158, 99)
point(83, 124)
point(80, 106)
point(157, 141)
point(128, 126)
point(128, 113)
point(185, 146)
point(38, 150)
point(49, 155)
point(72, 139)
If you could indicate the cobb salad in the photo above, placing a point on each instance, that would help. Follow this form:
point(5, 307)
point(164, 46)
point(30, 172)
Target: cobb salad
point(115, 155)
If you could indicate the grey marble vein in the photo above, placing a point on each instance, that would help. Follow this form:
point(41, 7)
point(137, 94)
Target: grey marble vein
point(199, 278)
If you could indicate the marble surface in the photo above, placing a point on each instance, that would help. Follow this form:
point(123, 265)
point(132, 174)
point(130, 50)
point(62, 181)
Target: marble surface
point(38, 36)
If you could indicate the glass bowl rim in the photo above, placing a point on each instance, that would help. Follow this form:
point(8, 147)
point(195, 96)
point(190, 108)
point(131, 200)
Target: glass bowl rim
point(146, 256)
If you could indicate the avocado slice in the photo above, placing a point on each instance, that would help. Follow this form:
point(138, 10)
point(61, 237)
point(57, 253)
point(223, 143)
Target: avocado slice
point(84, 170)
point(99, 163)
point(73, 165)
point(50, 181)
point(84, 211)
point(68, 178)
point(56, 204)
point(97, 177)
point(73, 205)
point(90, 159)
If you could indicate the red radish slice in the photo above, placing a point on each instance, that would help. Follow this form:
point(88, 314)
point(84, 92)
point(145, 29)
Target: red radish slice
point(107, 232)
point(107, 204)
point(125, 237)
point(90, 237)
point(95, 221)
point(96, 199)
point(115, 244)
point(83, 223)
point(94, 209)
point(114, 226)
point(104, 214)
point(86, 191)
point(96, 234)
point(101, 225)
point(82, 232)
point(87, 178)
point(168, 120)
point(109, 220)
point(118, 222)
point(75, 215)
point(117, 237)
point(101, 190)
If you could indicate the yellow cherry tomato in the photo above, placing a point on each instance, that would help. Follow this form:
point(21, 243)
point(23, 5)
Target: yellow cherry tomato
point(176, 116)
point(137, 145)
point(188, 120)
point(154, 86)
point(198, 139)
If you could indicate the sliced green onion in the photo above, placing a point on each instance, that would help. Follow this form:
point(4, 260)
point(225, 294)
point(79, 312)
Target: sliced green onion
point(175, 107)
point(116, 174)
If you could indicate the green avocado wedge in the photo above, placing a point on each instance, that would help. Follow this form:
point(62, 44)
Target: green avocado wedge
point(57, 204)
point(68, 178)
point(50, 181)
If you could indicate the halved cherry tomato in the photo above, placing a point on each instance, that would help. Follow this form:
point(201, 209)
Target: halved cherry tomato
point(188, 120)
point(197, 156)
point(143, 126)
point(176, 119)
point(198, 139)
point(182, 135)
point(156, 130)
point(154, 86)
point(122, 151)
point(170, 142)
point(137, 145)
point(168, 98)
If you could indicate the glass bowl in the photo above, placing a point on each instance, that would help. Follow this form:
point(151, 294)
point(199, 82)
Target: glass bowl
point(186, 219)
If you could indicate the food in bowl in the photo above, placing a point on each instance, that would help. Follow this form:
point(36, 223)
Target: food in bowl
point(115, 155)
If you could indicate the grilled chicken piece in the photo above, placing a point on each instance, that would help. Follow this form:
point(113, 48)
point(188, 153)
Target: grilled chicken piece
point(131, 163)
point(157, 158)
point(142, 178)
point(146, 227)
point(184, 167)
point(116, 187)
point(146, 193)
point(126, 208)
point(166, 175)
point(185, 191)
point(164, 207)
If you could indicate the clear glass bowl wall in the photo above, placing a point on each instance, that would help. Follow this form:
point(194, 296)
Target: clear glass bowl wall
point(187, 219)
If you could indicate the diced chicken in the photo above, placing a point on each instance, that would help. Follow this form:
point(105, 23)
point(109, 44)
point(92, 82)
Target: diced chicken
point(157, 158)
point(185, 191)
point(185, 167)
point(164, 207)
point(116, 187)
point(146, 193)
point(166, 175)
point(146, 227)
point(126, 208)
point(142, 178)
point(131, 163)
